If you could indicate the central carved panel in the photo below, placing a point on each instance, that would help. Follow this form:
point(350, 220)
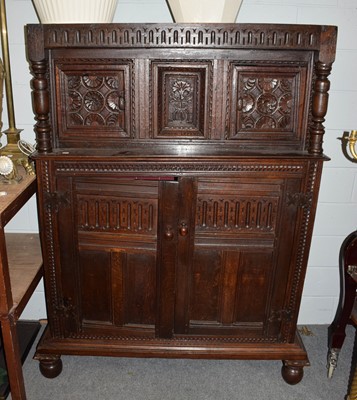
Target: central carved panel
point(181, 100)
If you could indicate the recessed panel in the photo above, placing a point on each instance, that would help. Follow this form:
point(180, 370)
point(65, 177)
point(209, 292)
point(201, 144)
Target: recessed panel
point(180, 101)
point(268, 103)
point(92, 102)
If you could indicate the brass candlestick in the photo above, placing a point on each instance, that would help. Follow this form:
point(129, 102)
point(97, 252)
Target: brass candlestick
point(12, 133)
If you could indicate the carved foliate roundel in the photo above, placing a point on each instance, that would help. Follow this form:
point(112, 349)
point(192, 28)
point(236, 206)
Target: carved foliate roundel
point(75, 100)
point(267, 104)
point(92, 81)
point(93, 101)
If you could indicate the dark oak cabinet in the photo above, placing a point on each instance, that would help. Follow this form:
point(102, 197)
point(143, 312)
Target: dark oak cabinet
point(178, 171)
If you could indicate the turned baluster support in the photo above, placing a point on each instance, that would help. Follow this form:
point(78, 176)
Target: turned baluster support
point(319, 106)
point(320, 88)
point(40, 101)
point(40, 90)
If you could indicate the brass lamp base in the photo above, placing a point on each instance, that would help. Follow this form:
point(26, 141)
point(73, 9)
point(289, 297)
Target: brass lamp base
point(17, 157)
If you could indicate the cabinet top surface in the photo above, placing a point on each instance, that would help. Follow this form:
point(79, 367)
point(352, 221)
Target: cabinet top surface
point(10, 193)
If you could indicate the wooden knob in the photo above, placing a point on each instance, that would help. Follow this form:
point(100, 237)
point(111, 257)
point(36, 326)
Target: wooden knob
point(169, 233)
point(183, 229)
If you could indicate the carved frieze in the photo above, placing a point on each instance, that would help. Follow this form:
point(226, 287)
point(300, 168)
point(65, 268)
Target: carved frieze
point(172, 35)
point(252, 214)
point(116, 214)
point(175, 167)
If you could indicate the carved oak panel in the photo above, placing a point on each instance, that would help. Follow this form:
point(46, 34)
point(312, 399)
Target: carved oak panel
point(222, 208)
point(181, 98)
point(112, 273)
point(93, 102)
point(268, 103)
point(123, 207)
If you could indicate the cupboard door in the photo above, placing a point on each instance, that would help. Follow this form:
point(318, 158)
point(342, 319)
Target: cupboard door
point(115, 275)
point(238, 271)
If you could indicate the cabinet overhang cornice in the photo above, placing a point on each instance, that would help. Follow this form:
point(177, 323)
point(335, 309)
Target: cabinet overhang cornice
point(233, 36)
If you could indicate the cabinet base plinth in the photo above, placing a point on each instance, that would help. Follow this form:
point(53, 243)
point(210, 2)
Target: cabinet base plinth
point(293, 355)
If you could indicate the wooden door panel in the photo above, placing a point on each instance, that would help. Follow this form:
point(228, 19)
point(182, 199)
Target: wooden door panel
point(117, 289)
point(237, 207)
point(238, 252)
point(124, 206)
point(253, 288)
point(111, 279)
point(230, 291)
point(206, 286)
point(95, 279)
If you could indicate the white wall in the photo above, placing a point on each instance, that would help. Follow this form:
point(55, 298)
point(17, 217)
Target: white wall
point(337, 208)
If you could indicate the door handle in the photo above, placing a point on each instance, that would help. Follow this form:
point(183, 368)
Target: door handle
point(183, 229)
point(169, 233)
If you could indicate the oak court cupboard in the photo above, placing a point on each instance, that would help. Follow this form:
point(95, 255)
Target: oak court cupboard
point(178, 171)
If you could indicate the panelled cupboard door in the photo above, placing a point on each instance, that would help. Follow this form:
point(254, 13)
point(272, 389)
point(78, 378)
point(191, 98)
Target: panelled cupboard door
point(109, 276)
point(234, 283)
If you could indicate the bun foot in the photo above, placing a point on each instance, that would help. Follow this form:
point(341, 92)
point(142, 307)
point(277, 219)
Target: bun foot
point(51, 367)
point(292, 372)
